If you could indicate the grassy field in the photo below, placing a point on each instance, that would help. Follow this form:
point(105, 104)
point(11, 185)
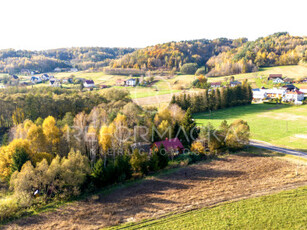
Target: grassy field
point(277, 124)
point(285, 210)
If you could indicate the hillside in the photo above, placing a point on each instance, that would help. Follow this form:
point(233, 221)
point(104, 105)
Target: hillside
point(220, 56)
point(16, 61)
point(275, 50)
point(173, 55)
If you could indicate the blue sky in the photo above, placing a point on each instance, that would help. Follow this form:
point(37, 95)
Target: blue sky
point(48, 24)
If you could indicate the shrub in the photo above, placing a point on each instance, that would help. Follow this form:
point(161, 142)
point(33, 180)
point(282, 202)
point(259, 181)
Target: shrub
point(154, 162)
point(198, 147)
point(201, 71)
point(123, 170)
point(139, 162)
point(19, 158)
point(162, 157)
point(189, 68)
point(38, 157)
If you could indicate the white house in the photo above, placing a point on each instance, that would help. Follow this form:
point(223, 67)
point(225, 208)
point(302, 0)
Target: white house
point(130, 82)
point(89, 84)
point(45, 77)
point(73, 70)
point(55, 82)
point(36, 80)
point(278, 80)
point(235, 83)
point(294, 96)
point(275, 93)
point(2, 86)
point(259, 94)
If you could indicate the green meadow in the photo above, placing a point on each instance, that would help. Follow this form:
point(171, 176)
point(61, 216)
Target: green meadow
point(282, 125)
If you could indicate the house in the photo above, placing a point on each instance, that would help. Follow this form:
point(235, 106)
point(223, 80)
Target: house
point(303, 89)
point(288, 80)
point(89, 84)
point(234, 83)
point(120, 82)
point(276, 78)
point(2, 86)
point(36, 80)
point(14, 77)
point(170, 145)
point(57, 69)
point(290, 87)
point(73, 70)
point(294, 96)
point(67, 80)
point(55, 82)
point(215, 84)
point(130, 82)
point(45, 77)
point(275, 93)
point(259, 94)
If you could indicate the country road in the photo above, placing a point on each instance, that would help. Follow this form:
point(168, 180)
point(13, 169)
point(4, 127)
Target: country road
point(265, 145)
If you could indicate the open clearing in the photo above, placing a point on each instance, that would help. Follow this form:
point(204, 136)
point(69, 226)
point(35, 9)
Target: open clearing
point(205, 184)
point(280, 125)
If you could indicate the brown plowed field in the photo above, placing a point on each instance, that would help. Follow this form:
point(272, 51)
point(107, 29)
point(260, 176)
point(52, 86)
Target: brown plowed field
point(204, 184)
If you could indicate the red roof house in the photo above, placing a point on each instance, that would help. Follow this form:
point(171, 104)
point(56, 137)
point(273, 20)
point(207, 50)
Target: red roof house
point(170, 144)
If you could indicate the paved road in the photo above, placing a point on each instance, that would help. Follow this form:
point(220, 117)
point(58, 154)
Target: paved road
point(265, 145)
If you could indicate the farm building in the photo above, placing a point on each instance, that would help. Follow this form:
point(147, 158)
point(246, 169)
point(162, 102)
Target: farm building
point(215, 84)
point(89, 84)
point(130, 82)
point(259, 94)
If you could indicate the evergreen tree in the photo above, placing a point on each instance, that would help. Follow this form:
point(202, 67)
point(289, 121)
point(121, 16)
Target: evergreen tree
point(188, 126)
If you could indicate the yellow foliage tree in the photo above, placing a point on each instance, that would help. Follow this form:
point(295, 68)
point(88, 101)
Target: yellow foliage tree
point(198, 147)
point(52, 133)
point(36, 138)
point(6, 153)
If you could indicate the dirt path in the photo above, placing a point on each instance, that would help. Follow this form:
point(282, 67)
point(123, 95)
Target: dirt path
point(268, 146)
point(203, 184)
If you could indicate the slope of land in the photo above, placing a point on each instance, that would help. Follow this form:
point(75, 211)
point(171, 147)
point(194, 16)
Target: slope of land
point(285, 210)
point(280, 125)
point(201, 185)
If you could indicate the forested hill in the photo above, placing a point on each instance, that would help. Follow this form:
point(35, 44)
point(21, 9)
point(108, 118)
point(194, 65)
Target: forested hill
point(275, 50)
point(220, 56)
point(172, 55)
point(16, 61)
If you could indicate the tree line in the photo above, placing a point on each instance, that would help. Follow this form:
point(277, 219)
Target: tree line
point(209, 100)
point(35, 103)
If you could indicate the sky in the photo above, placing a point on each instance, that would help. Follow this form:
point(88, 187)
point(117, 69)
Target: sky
point(45, 24)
